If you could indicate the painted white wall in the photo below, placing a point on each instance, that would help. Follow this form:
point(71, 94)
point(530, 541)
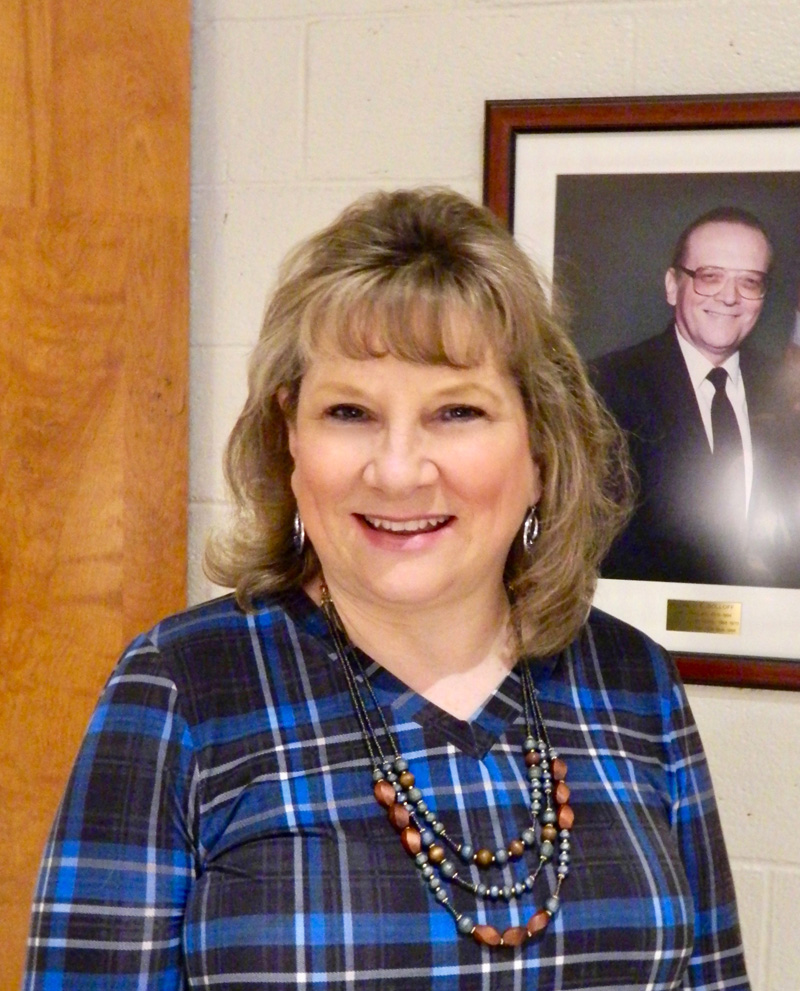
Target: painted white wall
point(301, 105)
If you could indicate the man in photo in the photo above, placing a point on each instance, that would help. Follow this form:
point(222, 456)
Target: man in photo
point(695, 402)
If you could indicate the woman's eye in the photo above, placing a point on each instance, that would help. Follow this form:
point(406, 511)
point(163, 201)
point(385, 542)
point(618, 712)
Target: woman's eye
point(346, 412)
point(459, 413)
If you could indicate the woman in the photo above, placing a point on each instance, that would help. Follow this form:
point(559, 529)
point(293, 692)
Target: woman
point(354, 772)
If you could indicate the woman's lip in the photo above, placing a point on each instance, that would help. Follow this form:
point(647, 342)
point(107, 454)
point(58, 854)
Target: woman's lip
point(406, 526)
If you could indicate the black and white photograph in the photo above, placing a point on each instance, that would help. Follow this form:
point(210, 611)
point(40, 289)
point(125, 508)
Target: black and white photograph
point(675, 252)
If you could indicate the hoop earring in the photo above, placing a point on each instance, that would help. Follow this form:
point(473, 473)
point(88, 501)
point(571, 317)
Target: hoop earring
point(298, 534)
point(530, 530)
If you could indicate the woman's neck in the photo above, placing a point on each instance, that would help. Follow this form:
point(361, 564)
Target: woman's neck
point(454, 655)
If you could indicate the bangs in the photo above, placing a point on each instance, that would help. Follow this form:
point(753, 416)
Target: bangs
point(421, 327)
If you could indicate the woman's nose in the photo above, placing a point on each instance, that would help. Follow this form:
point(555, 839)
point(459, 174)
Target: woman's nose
point(400, 463)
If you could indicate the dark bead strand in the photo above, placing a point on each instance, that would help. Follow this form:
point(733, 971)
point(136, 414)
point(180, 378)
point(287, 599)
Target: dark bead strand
point(424, 837)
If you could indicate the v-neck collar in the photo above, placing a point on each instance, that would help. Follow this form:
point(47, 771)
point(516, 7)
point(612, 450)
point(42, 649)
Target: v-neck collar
point(475, 736)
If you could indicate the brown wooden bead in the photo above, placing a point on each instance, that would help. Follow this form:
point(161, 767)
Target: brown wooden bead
point(399, 816)
point(538, 922)
point(558, 769)
point(562, 793)
point(516, 848)
point(566, 817)
point(484, 857)
point(385, 794)
point(532, 758)
point(406, 779)
point(549, 832)
point(411, 840)
point(487, 935)
point(515, 936)
point(436, 853)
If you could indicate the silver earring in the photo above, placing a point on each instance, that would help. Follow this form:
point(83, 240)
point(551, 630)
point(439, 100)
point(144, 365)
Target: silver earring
point(530, 529)
point(298, 534)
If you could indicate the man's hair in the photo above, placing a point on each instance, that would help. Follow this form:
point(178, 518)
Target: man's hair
point(429, 277)
point(719, 215)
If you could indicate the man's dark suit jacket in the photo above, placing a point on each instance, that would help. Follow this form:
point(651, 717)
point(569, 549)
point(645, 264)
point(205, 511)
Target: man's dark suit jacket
point(676, 533)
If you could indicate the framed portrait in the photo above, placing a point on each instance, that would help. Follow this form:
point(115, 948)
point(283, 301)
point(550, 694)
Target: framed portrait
point(603, 195)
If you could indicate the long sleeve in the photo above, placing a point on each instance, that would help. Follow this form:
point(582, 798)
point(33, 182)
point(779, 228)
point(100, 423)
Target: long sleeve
point(717, 959)
point(120, 858)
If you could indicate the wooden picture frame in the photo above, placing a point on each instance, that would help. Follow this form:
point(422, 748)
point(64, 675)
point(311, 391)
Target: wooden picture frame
point(698, 142)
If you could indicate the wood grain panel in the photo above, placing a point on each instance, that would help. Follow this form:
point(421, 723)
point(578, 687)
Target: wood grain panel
point(120, 130)
point(15, 121)
point(93, 380)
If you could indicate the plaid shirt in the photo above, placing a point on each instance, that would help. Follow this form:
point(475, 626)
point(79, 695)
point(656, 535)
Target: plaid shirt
point(219, 828)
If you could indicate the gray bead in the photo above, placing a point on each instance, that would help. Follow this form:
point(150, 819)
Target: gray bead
point(501, 856)
point(563, 857)
point(519, 889)
point(549, 816)
point(421, 859)
point(534, 772)
point(441, 896)
point(427, 871)
point(427, 836)
point(437, 827)
point(377, 774)
point(430, 816)
point(434, 883)
point(530, 880)
point(422, 807)
point(552, 904)
point(505, 892)
point(494, 892)
point(447, 868)
point(563, 870)
point(529, 744)
point(466, 852)
point(482, 891)
point(546, 849)
point(465, 925)
point(414, 794)
point(391, 776)
point(400, 765)
point(402, 798)
point(528, 837)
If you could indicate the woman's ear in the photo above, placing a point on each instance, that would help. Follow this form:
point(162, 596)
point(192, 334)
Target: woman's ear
point(282, 396)
point(536, 484)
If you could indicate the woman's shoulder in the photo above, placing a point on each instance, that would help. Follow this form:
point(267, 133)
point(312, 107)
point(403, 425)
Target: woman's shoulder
point(223, 619)
point(216, 645)
point(624, 657)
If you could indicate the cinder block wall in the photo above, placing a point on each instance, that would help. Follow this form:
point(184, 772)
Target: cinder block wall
point(301, 105)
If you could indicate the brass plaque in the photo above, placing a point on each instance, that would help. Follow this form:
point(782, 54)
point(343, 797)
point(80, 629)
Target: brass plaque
point(688, 616)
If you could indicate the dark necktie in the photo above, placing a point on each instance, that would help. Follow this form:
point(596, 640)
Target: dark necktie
point(728, 450)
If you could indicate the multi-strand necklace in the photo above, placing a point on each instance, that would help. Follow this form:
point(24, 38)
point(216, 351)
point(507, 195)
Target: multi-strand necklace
point(437, 855)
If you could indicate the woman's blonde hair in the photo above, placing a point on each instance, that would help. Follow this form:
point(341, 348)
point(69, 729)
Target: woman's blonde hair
point(427, 276)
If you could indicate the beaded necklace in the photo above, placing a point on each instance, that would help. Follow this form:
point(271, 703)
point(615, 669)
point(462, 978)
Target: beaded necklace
point(436, 854)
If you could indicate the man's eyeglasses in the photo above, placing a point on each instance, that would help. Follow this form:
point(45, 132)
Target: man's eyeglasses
point(708, 280)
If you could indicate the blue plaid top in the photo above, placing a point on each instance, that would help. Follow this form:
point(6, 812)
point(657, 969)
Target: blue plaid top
point(219, 828)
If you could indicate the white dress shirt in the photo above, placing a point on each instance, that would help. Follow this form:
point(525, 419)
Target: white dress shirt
point(698, 367)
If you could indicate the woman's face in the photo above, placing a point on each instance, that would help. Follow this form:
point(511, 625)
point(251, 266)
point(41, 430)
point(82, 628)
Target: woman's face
point(412, 480)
